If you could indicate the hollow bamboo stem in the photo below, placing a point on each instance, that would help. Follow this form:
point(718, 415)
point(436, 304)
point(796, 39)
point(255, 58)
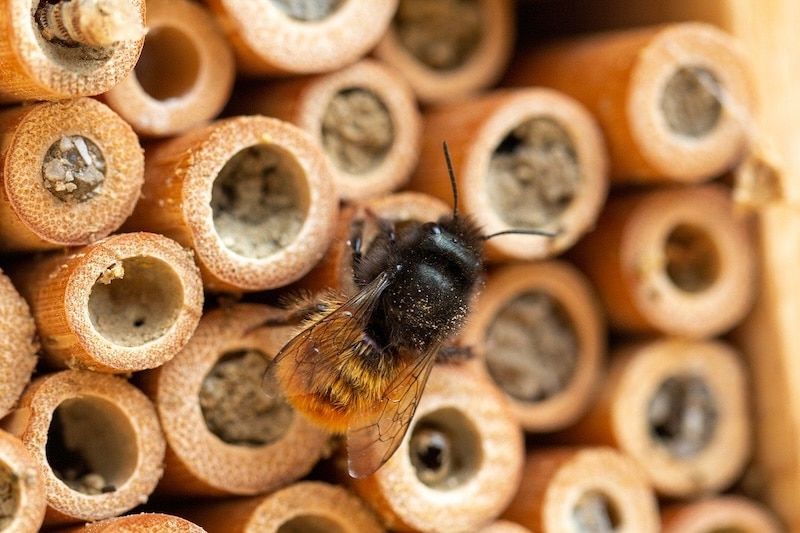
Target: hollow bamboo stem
point(96, 441)
point(225, 435)
point(449, 50)
point(126, 303)
point(723, 513)
point(70, 174)
point(583, 489)
point(184, 76)
point(539, 334)
point(19, 354)
point(22, 494)
point(60, 50)
point(675, 102)
point(364, 116)
point(252, 196)
point(676, 261)
point(139, 523)
point(524, 159)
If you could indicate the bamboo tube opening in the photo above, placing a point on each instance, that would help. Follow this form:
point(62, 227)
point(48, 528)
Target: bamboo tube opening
point(74, 169)
point(9, 495)
point(720, 514)
point(168, 46)
point(534, 174)
point(690, 101)
point(444, 449)
point(692, 258)
point(596, 512)
point(441, 35)
point(532, 347)
point(22, 494)
point(357, 130)
point(259, 200)
point(309, 11)
point(682, 415)
point(310, 524)
point(91, 446)
point(235, 407)
point(88, 23)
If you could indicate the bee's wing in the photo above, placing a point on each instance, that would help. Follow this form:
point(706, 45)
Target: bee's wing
point(372, 441)
point(316, 349)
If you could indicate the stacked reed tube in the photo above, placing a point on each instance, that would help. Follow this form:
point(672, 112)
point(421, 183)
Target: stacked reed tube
point(172, 173)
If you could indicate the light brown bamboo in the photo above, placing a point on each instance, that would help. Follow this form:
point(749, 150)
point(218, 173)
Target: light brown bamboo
point(272, 38)
point(465, 46)
point(677, 261)
point(126, 303)
point(364, 116)
point(18, 352)
point(224, 435)
point(724, 513)
point(70, 174)
point(463, 418)
point(583, 489)
point(96, 441)
point(528, 158)
point(252, 196)
point(675, 102)
point(184, 76)
point(679, 408)
point(139, 523)
point(35, 68)
point(306, 506)
point(504, 526)
point(539, 334)
point(22, 494)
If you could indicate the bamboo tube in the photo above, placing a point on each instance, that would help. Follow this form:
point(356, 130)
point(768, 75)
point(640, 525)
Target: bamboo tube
point(58, 50)
point(18, 346)
point(459, 465)
point(583, 489)
point(674, 102)
point(95, 439)
point(309, 506)
point(504, 526)
point(450, 49)
point(679, 408)
point(364, 116)
point(335, 270)
point(225, 435)
point(126, 303)
point(185, 74)
point(285, 37)
point(139, 523)
point(721, 514)
point(22, 495)
point(529, 158)
point(252, 196)
point(538, 333)
point(70, 173)
point(676, 261)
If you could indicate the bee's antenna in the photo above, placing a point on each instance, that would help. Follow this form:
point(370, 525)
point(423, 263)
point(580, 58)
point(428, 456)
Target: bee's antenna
point(521, 232)
point(452, 175)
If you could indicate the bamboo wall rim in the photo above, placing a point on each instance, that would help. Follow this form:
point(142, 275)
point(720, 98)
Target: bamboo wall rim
point(18, 356)
point(30, 509)
point(139, 523)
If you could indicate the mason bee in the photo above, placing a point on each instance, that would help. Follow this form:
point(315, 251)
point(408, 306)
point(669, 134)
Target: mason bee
point(359, 365)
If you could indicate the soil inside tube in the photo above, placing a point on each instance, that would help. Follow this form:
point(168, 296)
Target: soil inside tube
point(683, 415)
point(74, 169)
point(691, 101)
point(9, 495)
point(308, 10)
point(595, 513)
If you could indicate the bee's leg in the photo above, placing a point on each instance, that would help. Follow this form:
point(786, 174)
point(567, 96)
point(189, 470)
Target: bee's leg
point(454, 354)
point(299, 309)
point(356, 241)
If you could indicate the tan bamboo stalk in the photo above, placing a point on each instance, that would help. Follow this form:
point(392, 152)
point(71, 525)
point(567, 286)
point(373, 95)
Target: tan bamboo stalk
point(679, 408)
point(70, 174)
point(185, 74)
point(674, 101)
point(504, 526)
point(584, 489)
point(462, 419)
point(225, 435)
point(18, 354)
point(364, 116)
point(723, 513)
point(95, 439)
point(126, 303)
point(252, 196)
point(538, 332)
point(306, 506)
point(677, 261)
point(283, 37)
point(22, 494)
point(527, 158)
point(449, 49)
point(139, 523)
point(335, 270)
point(67, 49)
